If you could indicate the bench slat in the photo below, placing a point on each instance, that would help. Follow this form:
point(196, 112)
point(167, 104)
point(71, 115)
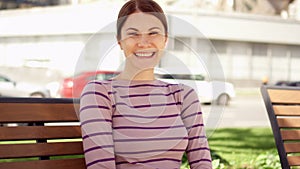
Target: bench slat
point(38, 112)
point(287, 110)
point(292, 147)
point(294, 160)
point(40, 149)
point(290, 134)
point(289, 122)
point(284, 96)
point(77, 163)
point(39, 132)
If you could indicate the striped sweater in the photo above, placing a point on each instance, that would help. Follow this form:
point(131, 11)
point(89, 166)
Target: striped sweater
point(142, 125)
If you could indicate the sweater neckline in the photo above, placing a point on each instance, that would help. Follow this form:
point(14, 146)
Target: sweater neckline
point(132, 82)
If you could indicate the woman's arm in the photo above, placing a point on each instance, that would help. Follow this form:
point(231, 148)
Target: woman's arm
point(96, 126)
point(198, 152)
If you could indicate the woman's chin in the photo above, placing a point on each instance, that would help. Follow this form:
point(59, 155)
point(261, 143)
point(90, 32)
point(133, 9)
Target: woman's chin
point(142, 67)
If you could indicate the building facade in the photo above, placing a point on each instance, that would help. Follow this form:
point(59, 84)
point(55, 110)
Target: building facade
point(70, 39)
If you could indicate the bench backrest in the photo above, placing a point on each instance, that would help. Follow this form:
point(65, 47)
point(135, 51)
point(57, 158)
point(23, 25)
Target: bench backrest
point(283, 107)
point(47, 136)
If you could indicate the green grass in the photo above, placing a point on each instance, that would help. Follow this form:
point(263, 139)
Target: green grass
point(242, 146)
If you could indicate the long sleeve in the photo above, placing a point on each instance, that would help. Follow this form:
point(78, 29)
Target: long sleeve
point(96, 125)
point(198, 151)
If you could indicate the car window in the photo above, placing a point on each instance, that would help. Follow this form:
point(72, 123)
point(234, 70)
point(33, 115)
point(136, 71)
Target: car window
point(3, 79)
point(89, 78)
point(105, 76)
point(180, 76)
point(101, 76)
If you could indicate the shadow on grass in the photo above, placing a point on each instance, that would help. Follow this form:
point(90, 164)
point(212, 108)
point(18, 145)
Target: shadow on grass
point(243, 138)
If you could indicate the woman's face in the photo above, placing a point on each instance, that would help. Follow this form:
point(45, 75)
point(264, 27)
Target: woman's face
point(142, 40)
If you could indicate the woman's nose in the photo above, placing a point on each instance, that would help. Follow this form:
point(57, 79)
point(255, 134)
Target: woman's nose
point(143, 41)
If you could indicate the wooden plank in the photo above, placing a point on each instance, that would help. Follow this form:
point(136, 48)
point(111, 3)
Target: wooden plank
point(294, 160)
point(292, 147)
point(38, 100)
point(284, 96)
point(38, 112)
point(287, 110)
point(39, 132)
point(40, 149)
point(289, 122)
point(77, 163)
point(290, 134)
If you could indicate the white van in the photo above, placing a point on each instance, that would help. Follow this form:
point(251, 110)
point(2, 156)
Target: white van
point(218, 92)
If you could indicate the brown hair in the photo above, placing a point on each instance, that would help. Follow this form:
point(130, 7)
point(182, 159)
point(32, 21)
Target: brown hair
point(140, 5)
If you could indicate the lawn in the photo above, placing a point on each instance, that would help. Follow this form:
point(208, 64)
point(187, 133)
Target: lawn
point(244, 148)
point(241, 147)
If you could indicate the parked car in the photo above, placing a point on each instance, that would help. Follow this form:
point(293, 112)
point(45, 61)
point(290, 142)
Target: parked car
point(10, 88)
point(288, 83)
point(208, 91)
point(72, 87)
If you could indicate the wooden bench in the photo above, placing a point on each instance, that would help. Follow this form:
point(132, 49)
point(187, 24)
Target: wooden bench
point(52, 140)
point(283, 107)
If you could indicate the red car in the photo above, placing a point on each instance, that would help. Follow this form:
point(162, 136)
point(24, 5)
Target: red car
point(72, 87)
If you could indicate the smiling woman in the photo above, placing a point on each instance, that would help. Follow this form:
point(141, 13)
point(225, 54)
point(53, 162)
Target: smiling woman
point(142, 39)
point(142, 34)
point(134, 120)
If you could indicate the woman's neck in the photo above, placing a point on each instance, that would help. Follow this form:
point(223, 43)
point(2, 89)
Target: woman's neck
point(147, 74)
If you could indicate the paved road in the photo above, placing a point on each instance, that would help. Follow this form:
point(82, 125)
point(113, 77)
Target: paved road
point(246, 110)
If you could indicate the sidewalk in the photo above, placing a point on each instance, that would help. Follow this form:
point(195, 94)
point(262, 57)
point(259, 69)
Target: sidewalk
point(247, 109)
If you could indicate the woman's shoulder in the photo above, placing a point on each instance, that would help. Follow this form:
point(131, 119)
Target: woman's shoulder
point(99, 82)
point(181, 86)
point(98, 85)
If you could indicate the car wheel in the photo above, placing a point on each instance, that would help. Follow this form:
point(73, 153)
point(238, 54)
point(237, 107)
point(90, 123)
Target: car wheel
point(37, 94)
point(223, 99)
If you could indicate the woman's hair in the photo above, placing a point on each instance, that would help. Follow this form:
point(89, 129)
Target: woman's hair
point(133, 6)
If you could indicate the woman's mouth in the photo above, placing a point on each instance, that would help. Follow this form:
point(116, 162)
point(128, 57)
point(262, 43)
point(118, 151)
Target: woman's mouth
point(144, 54)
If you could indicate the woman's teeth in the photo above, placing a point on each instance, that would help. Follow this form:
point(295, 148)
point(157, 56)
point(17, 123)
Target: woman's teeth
point(144, 54)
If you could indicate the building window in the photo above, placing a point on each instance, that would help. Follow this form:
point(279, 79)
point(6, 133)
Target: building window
point(182, 43)
point(295, 51)
point(220, 46)
point(279, 50)
point(239, 48)
point(203, 46)
point(259, 49)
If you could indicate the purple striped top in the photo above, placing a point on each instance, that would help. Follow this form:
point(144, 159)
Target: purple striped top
point(142, 125)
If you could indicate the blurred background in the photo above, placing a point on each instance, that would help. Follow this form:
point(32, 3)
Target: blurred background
point(257, 41)
point(52, 48)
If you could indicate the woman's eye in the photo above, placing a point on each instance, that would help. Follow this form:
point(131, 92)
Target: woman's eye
point(132, 34)
point(153, 33)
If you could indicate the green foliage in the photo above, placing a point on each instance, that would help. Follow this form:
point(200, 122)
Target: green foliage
point(267, 160)
point(241, 147)
point(218, 162)
point(184, 162)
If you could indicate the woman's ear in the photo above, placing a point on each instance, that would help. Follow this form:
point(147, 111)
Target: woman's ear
point(166, 40)
point(119, 43)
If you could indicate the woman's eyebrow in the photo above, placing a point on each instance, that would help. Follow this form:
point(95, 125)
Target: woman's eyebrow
point(134, 29)
point(154, 28)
